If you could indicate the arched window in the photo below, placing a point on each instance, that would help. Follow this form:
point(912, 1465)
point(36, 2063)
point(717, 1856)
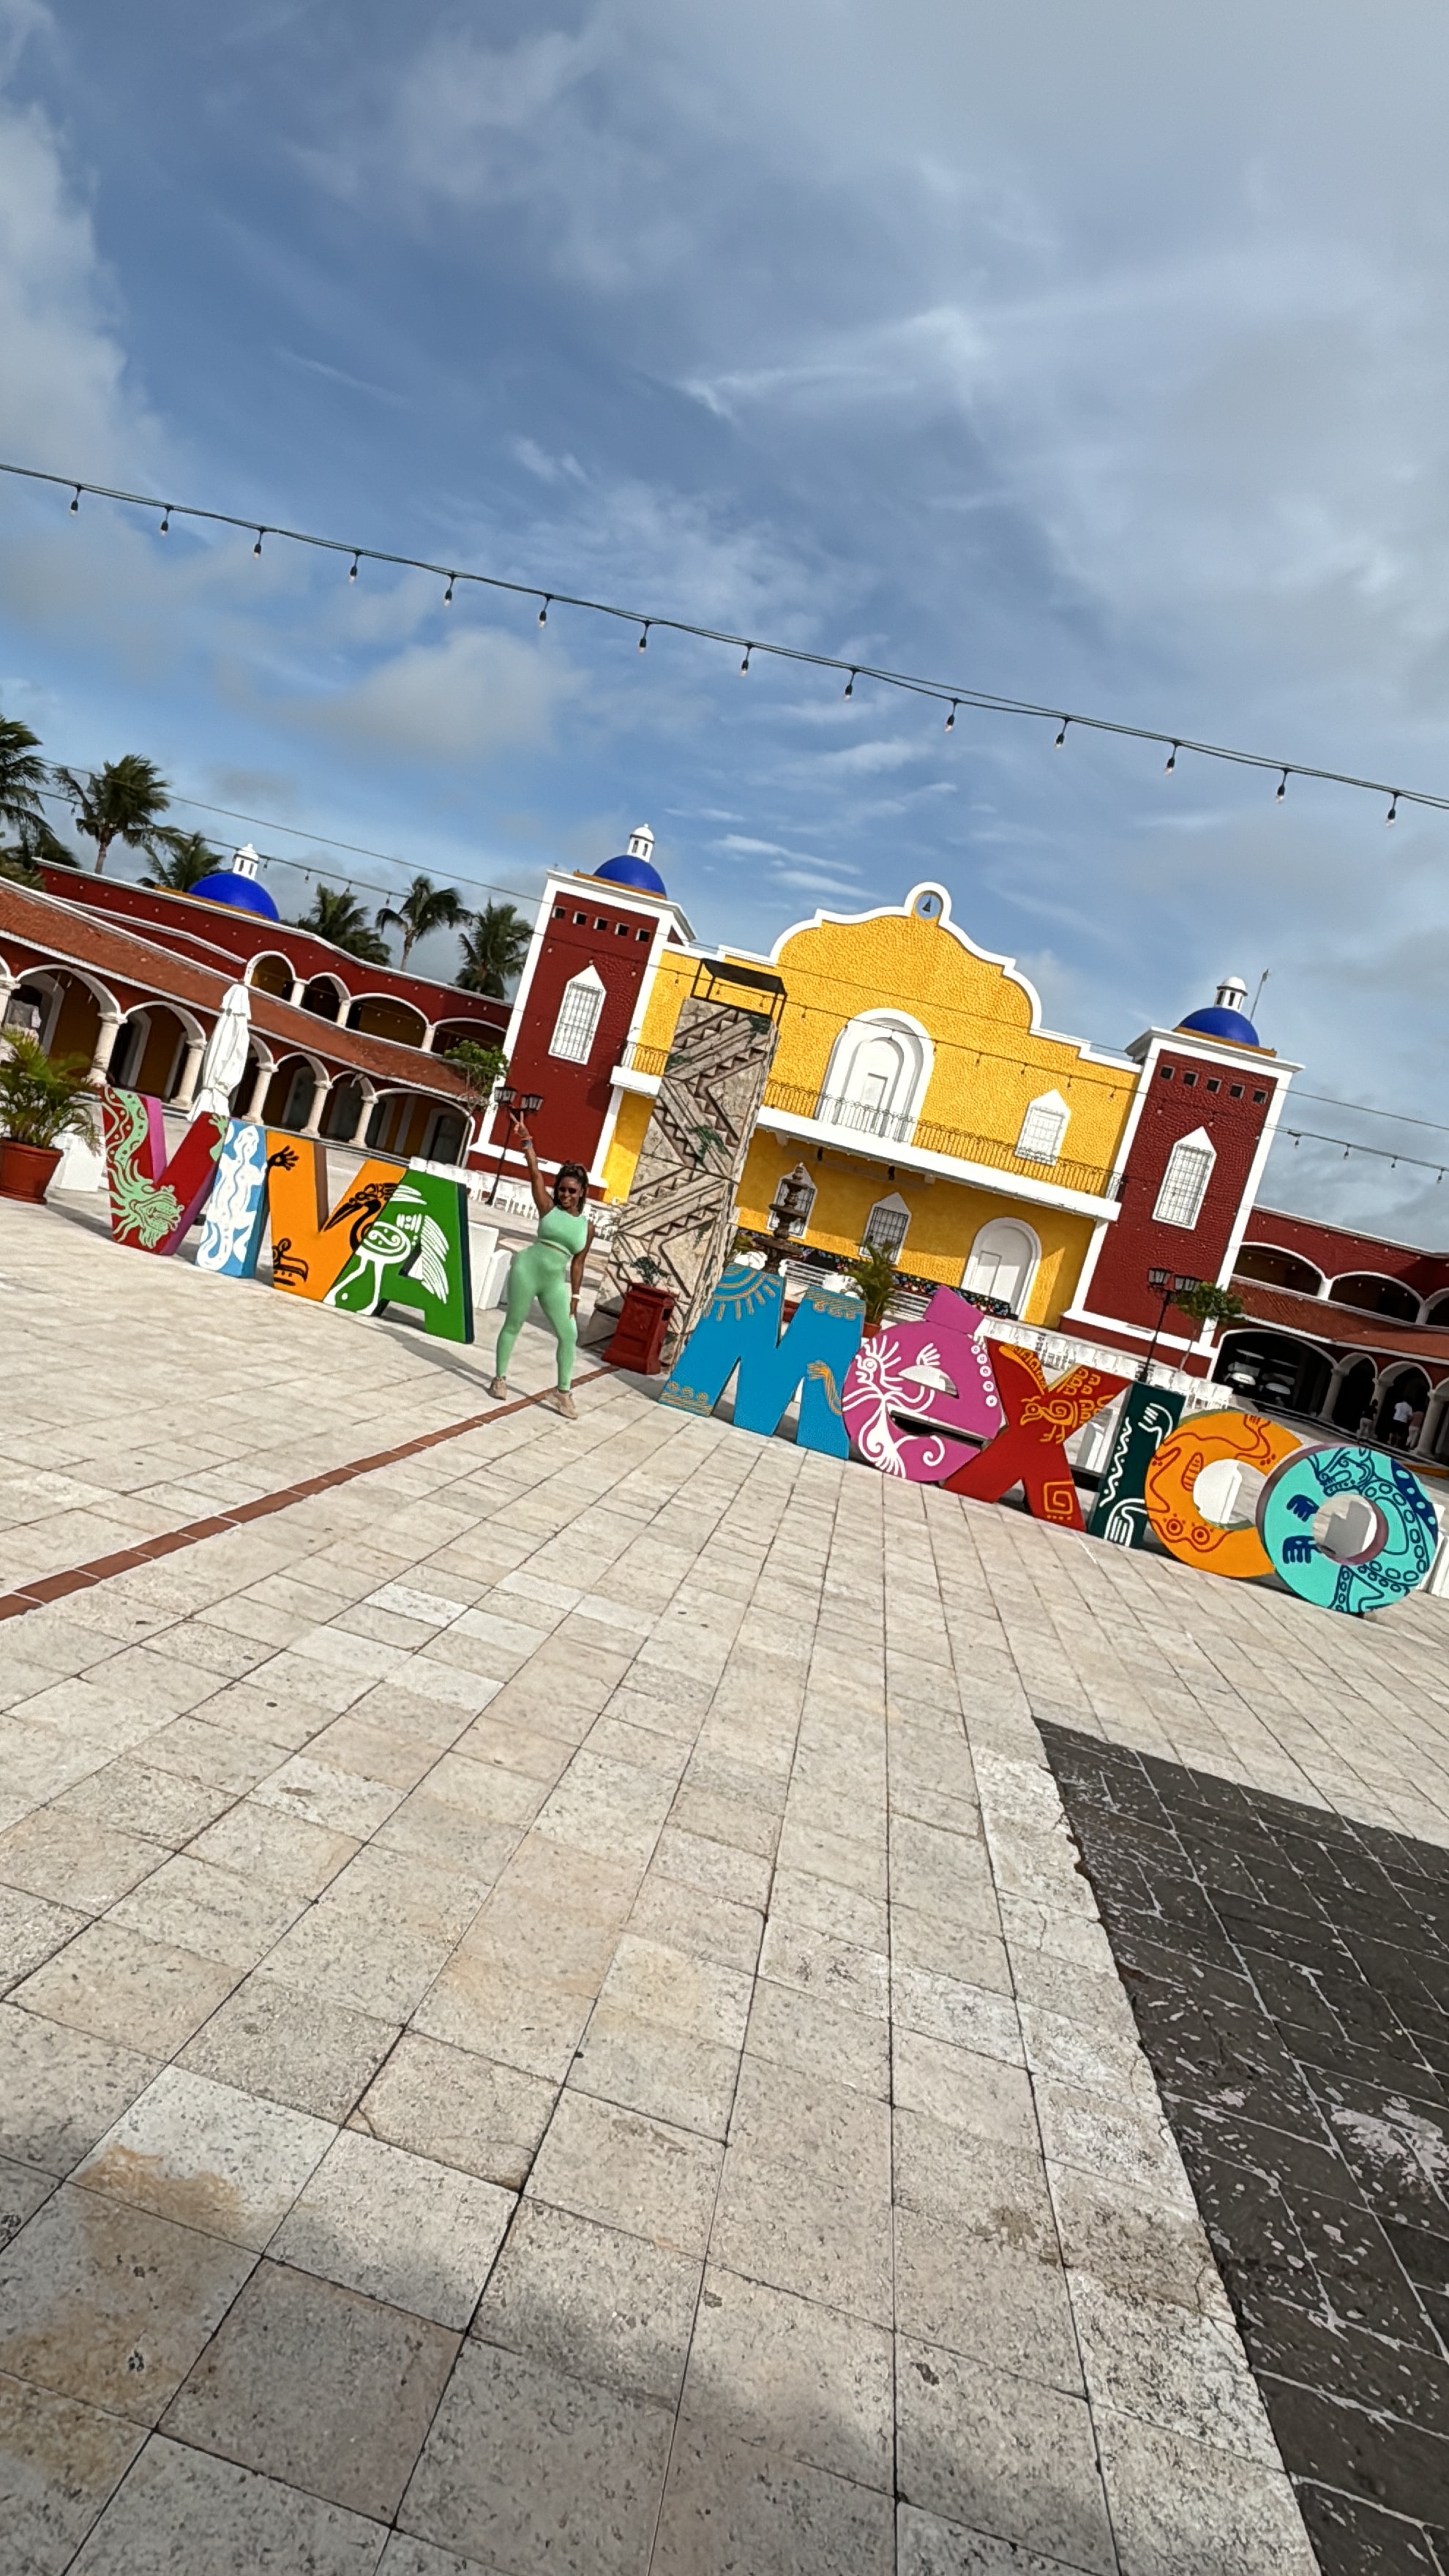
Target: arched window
point(1003, 1263)
point(879, 1068)
point(1185, 1181)
point(1043, 1128)
point(886, 1225)
point(578, 1017)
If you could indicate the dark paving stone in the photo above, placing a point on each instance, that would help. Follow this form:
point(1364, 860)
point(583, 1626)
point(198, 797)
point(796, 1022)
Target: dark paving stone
point(1289, 1974)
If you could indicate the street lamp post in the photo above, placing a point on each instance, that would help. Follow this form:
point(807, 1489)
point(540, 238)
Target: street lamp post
point(1170, 1286)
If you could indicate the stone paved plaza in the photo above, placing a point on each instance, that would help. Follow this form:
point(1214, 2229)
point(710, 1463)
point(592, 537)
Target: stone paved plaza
point(554, 2019)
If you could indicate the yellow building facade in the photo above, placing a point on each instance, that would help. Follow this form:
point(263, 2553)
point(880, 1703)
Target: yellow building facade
point(914, 1082)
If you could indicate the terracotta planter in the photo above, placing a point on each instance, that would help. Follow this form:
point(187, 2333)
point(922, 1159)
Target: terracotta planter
point(26, 1171)
point(639, 1334)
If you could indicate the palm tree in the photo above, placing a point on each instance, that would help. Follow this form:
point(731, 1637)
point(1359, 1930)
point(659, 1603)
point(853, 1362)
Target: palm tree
point(22, 773)
point(124, 801)
point(34, 848)
point(494, 949)
point(423, 908)
point(189, 858)
point(336, 915)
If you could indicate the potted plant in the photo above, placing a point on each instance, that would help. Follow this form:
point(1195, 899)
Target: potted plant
point(644, 1316)
point(42, 1098)
point(874, 1274)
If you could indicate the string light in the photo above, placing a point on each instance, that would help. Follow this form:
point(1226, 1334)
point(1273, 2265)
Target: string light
point(448, 593)
point(951, 719)
point(849, 689)
point(165, 528)
point(1170, 763)
point(644, 637)
point(1281, 789)
point(352, 575)
point(951, 695)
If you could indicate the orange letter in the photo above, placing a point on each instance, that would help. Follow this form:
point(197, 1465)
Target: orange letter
point(1220, 1546)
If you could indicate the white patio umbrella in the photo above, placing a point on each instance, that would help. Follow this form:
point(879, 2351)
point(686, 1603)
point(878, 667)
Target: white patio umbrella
point(226, 1054)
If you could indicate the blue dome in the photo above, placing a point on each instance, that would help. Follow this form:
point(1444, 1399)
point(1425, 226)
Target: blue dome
point(1215, 1022)
point(228, 885)
point(631, 871)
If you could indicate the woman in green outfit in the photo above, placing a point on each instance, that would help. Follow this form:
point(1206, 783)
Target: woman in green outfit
point(551, 1268)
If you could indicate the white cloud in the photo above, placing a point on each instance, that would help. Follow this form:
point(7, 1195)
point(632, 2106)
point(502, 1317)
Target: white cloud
point(462, 702)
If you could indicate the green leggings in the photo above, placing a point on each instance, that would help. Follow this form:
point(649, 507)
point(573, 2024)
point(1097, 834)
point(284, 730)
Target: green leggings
point(540, 1271)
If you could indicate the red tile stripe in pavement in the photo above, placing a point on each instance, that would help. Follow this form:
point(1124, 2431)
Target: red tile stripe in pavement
point(148, 1551)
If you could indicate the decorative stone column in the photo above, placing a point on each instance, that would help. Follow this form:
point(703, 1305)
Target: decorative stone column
point(181, 1097)
point(364, 1120)
point(259, 1091)
point(105, 1048)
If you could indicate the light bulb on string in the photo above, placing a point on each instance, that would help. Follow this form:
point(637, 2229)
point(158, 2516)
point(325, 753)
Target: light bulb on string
point(1392, 815)
point(1170, 763)
point(352, 575)
point(257, 548)
point(1061, 737)
point(1281, 790)
point(543, 612)
point(448, 593)
point(644, 636)
point(744, 666)
point(75, 503)
point(951, 719)
point(849, 690)
point(165, 528)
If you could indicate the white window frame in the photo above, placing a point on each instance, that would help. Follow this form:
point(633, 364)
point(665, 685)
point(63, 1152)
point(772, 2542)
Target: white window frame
point(897, 1226)
point(1186, 1181)
point(577, 1025)
point(985, 1250)
point(1043, 1129)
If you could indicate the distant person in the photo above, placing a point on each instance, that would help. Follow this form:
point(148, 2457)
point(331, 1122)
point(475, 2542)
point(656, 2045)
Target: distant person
point(1403, 1415)
point(1416, 1427)
point(1366, 1424)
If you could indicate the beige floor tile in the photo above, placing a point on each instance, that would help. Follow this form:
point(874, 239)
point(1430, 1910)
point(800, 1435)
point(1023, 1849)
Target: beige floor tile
point(458, 2108)
point(807, 2381)
point(306, 2050)
point(537, 2470)
point(625, 2171)
point(208, 2156)
point(397, 2227)
point(60, 2462)
point(321, 2389)
point(735, 2505)
point(181, 2509)
point(107, 2304)
point(593, 2301)
point(216, 1912)
point(145, 1994)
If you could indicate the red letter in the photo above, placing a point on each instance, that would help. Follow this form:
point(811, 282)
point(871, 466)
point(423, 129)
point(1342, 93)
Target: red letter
point(1028, 1450)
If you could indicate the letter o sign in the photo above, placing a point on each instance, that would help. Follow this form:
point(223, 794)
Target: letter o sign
point(1218, 1546)
point(1398, 1552)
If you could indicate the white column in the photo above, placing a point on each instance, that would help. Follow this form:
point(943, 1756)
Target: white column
point(258, 1093)
point(320, 1098)
point(190, 1067)
point(359, 1133)
point(105, 1048)
point(299, 987)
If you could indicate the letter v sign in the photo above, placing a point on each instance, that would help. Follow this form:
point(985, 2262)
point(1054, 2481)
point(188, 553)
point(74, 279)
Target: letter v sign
point(1027, 1451)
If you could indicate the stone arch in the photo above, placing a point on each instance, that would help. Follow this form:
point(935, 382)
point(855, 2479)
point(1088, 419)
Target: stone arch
point(297, 1086)
point(1275, 1372)
point(270, 971)
point(1278, 1268)
point(153, 1044)
point(388, 1015)
point(316, 991)
point(1374, 1292)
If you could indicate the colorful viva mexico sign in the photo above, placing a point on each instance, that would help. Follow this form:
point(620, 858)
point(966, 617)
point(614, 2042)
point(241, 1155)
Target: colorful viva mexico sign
point(397, 1238)
point(934, 1403)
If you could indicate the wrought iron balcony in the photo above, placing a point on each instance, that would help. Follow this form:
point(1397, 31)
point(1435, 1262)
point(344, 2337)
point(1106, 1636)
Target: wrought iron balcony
point(928, 1137)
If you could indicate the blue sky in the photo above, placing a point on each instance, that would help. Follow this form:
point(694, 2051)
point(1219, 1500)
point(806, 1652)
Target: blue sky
point(1098, 356)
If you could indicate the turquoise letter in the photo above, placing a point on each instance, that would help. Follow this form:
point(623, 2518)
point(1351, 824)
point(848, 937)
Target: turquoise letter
point(741, 1330)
